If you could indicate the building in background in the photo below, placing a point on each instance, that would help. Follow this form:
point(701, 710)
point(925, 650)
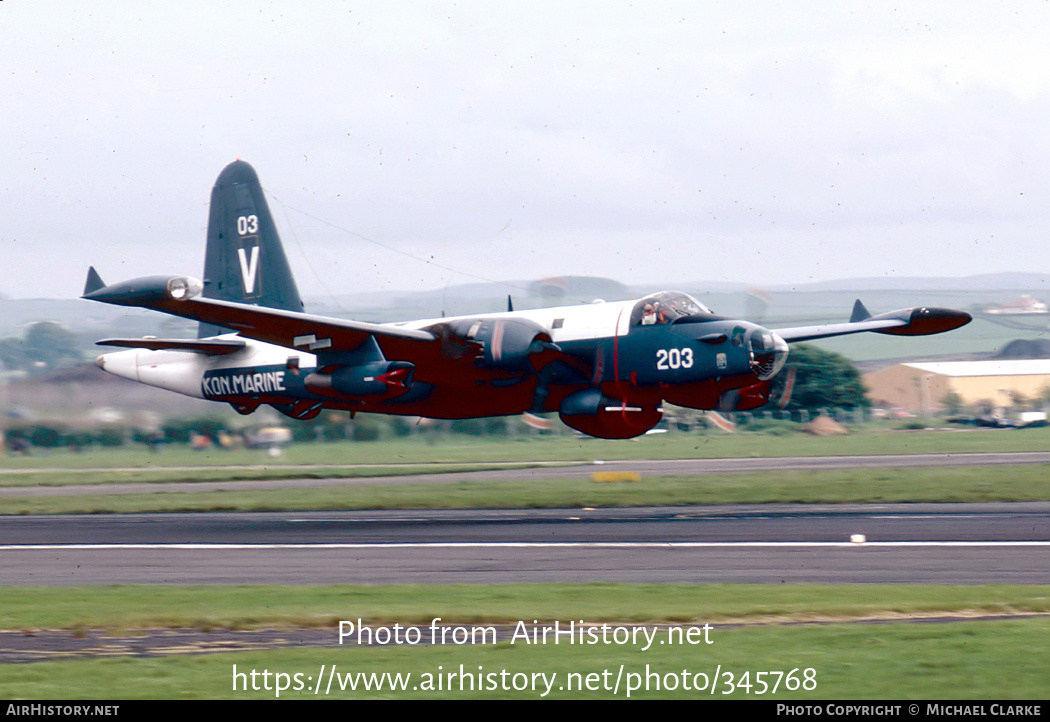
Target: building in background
point(926, 388)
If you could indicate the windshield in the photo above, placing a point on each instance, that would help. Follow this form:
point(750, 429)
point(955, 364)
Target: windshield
point(665, 307)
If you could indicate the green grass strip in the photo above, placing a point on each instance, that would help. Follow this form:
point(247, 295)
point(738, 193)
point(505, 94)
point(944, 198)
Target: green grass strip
point(463, 449)
point(936, 484)
point(166, 475)
point(252, 606)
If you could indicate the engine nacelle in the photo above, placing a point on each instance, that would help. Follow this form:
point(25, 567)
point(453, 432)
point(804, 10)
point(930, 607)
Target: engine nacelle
point(503, 343)
point(147, 290)
point(378, 378)
point(595, 414)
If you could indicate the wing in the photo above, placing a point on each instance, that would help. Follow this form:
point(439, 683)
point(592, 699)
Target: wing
point(291, 329)
point(468, 350)
point(922, 321)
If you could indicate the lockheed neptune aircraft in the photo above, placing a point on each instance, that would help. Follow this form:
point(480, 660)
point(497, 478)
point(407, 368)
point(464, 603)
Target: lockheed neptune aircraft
point(606, 368)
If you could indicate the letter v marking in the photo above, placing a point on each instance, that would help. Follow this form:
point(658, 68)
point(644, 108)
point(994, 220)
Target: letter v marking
point(249, 269)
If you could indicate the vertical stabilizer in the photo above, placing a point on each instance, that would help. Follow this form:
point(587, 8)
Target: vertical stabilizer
point(244, 261)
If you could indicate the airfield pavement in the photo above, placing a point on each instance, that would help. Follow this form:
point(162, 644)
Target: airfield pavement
point(903, 543)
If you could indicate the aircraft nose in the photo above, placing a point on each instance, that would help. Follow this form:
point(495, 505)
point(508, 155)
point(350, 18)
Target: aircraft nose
point(769, 353)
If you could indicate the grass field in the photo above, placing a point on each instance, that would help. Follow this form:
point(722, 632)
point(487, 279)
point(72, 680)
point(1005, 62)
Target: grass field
point(850, 637)
point(458, 453)
point(121, 608)
point(957, 484)
point(972, 661)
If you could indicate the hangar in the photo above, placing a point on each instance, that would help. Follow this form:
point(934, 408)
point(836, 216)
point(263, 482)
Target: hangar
point(921, 388)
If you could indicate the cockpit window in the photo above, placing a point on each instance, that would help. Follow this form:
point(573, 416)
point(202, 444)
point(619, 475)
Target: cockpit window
point(665, 307)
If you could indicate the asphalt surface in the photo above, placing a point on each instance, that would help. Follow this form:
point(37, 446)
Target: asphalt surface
point(902, 543)
point(887, 543)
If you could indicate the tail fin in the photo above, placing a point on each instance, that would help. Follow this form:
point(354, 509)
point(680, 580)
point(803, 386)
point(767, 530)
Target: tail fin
point(94, 281)
point(244, 261)
point(860, 313)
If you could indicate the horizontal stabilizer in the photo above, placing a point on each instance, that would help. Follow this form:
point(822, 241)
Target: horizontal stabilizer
point(209, 347)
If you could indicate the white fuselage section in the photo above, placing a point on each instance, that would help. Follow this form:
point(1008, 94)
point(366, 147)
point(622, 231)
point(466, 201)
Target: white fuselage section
point(566, 323)
point(183, 371)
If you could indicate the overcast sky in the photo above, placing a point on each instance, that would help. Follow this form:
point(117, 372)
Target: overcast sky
point(410, 145)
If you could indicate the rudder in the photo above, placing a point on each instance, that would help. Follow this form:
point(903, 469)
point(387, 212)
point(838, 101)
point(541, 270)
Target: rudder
point(244, 260)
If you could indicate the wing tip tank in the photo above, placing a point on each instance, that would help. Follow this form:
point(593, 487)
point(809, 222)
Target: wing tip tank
point(926, 321)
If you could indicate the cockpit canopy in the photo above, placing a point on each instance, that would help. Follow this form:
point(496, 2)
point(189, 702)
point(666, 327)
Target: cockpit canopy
point(666, 307)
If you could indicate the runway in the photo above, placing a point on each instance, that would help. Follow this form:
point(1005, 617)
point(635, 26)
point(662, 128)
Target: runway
point(904, 543)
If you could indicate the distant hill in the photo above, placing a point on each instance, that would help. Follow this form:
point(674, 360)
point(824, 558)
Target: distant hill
point(1019, 281)
point(1025, 349)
